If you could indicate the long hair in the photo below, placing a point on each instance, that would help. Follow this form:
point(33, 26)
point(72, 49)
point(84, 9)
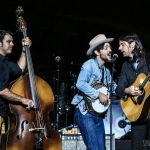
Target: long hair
point(138, 51)
point(3, 33)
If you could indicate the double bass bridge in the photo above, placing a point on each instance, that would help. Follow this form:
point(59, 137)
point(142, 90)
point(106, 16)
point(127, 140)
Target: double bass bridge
point(36, 129)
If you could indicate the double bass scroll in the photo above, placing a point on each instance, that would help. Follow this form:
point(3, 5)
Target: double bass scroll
point(30, 129)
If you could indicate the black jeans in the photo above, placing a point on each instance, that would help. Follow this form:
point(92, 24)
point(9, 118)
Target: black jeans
point(140, 135)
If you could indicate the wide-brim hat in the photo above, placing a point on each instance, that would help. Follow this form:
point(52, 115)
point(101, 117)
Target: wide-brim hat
point(96, 41)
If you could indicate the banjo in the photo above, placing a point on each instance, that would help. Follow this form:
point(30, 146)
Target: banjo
point(94, 106)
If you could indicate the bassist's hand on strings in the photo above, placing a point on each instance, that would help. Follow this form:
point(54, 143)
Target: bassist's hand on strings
point(7, 94)
point(27, 102)
point(104, 100)
point(132, 90)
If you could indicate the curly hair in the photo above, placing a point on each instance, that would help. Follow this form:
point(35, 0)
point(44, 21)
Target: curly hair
point(98, 48)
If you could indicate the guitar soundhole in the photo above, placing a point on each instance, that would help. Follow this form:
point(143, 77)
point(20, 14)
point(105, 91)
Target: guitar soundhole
point(141, 97)
point(143, 92)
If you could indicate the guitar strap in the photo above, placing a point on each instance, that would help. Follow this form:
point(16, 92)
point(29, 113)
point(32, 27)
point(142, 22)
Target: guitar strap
point(102, 80)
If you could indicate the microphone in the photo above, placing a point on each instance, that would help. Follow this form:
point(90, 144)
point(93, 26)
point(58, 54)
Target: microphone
point(57, 58)
point(115, 56)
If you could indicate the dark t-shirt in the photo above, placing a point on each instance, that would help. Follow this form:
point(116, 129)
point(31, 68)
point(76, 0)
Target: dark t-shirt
point(7, 68)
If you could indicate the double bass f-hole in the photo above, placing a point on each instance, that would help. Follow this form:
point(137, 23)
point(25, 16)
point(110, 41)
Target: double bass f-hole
point(23, 124)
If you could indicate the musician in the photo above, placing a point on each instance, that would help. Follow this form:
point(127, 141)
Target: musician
point(131, 46)
point(8, 68)
point(93, 70)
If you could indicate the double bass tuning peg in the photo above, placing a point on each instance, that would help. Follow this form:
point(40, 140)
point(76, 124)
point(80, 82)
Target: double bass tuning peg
point(19, 11)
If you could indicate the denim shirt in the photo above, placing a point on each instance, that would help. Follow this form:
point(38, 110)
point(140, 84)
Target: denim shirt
point(91, 72)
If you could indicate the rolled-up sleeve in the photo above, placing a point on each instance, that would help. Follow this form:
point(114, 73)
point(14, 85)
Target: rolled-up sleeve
point(5, 71)
point(14, 68)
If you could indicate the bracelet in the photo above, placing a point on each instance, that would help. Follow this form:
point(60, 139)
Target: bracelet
point(23, 51)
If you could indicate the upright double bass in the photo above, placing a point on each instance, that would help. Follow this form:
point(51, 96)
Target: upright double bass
point(30, 129)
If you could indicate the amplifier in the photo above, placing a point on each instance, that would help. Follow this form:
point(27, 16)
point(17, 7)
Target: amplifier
point(107, 138)
point(75, 142)
point(72, 142)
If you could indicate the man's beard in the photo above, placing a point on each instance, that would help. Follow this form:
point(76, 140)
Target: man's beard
point(104, 59)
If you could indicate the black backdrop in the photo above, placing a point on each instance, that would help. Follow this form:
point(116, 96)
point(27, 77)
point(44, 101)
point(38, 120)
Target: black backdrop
point(64, 28)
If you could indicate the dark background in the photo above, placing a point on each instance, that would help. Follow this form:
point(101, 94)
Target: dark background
point(64, 28)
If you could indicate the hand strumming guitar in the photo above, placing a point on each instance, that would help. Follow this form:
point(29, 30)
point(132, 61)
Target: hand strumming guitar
point(132, 90)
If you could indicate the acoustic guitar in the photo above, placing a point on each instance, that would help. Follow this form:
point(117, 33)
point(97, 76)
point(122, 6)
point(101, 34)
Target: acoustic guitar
point(136, 108)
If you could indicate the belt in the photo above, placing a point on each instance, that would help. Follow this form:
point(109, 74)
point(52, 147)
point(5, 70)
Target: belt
point(77, 106)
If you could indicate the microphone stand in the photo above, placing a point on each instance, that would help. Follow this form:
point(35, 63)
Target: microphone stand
point(74, 92)
point(111, 98)
point(54, 112)
point(57, 95)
